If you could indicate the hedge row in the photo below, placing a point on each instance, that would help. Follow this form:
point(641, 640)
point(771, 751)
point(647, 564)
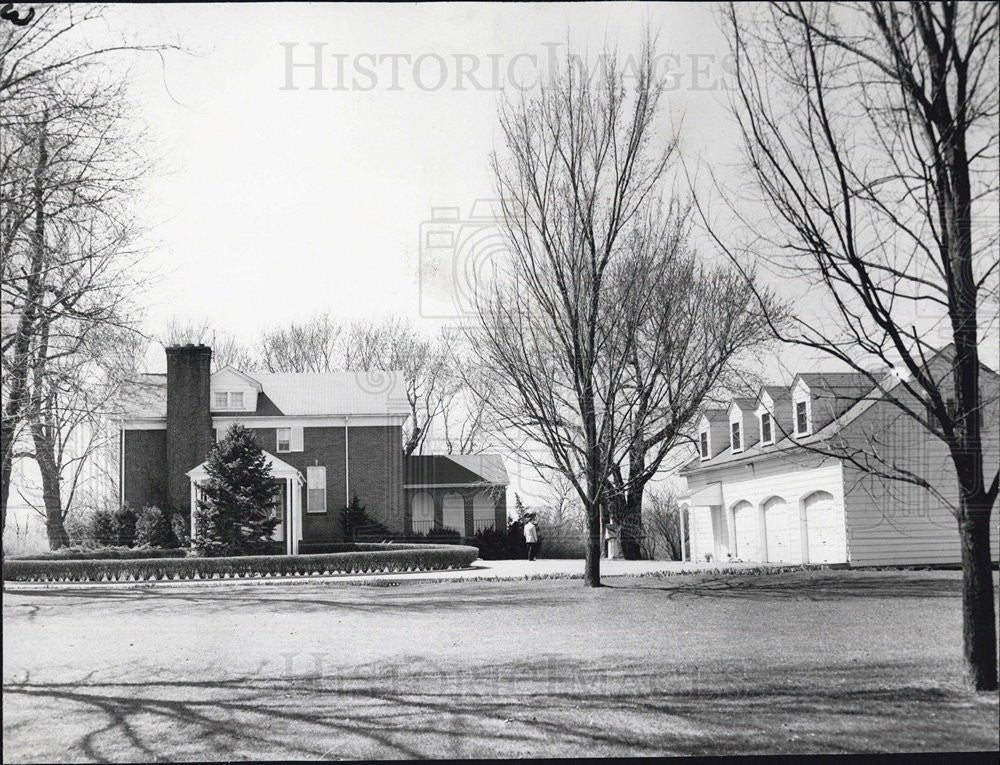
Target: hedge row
point(105, 553)
point(388, 558)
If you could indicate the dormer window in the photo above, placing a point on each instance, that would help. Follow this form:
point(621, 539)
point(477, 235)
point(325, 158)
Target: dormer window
point(735, 440)
point(801, 418)
point(766, 434)
point(703, 444)
point(228, 399)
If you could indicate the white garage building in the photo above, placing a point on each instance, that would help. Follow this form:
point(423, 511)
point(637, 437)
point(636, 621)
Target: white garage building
point(755, 493)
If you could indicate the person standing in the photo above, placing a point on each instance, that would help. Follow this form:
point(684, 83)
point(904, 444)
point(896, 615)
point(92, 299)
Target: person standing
point(531, 536)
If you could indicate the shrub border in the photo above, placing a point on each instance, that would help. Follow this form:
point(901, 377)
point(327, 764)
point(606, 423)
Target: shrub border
point(388, 558)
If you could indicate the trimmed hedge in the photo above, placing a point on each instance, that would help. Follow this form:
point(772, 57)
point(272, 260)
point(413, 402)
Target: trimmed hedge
point(105, 553)
point(386, 558)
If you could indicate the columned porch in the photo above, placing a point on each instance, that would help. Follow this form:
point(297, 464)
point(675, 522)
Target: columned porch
point(288, 484)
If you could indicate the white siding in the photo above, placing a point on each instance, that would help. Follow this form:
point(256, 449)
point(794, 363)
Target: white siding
point(701, 534)
point(791, 478)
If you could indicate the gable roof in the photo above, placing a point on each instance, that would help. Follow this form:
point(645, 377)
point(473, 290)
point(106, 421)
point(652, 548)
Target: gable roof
point(290, 394)
point(455, 470)
point(833, 393)
point(775, 392)
point(838, 397)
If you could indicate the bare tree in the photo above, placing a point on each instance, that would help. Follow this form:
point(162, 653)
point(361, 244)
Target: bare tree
point(694, 339)
point(393, 343)
point(69, 169)
point(662, 525)
point(465, 421)
point(870, 130)
point(75, 406)
point(322, 344)
point(577, 178)
point(316, 345)
point(226, 349)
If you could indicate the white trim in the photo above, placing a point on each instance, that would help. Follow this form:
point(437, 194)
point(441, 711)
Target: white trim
point(310, 420)
point(760, 423)
point(480, 484)
point(244, 375)
point(277, 441)
point(739, 430)
point(309, 509)
point(280, 420)
point(347, 463)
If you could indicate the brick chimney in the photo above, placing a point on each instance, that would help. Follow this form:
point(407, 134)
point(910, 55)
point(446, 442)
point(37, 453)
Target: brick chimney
point(189, 419)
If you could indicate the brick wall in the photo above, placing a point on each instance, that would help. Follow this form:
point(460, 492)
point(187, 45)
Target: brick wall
point(145, 468)
point(376, 474)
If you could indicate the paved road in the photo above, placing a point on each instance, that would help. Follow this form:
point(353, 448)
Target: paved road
point(808, 662)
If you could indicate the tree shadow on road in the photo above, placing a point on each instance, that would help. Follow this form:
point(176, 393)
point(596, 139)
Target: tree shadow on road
point(540, 706)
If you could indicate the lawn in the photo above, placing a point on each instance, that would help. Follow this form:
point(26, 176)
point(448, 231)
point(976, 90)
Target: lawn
point(827, 661)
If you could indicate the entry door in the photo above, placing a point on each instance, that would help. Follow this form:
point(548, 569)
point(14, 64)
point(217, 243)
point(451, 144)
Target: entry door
point(278, 509)
point(745, 524)
point(776, 530)
point(824, 530)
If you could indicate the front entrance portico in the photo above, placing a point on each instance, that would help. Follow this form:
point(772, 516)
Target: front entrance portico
point(290, 530)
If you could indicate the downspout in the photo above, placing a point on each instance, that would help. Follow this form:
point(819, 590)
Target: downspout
point(347, 462)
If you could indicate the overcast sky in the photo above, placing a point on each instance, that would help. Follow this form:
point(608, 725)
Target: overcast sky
point(274, 199)
point(271, 203)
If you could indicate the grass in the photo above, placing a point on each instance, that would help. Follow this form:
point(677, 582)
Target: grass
point(799, 662)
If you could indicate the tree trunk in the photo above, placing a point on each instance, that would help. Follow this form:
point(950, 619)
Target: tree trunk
point(979, 632)
point(631, 524)
point(51, 491)
point(592, 562)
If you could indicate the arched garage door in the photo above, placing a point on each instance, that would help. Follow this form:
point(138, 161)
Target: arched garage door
point(745, 525)
point(824, 529)
point(423, 512)
point(453, 516)
point(776, 530)
point(483, 512)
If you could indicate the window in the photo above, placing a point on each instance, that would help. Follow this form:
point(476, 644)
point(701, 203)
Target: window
point(736, 437)
point(284, 439)
point(765, 428)
point(801, 419)
point(228, 400)
point(316, 494)
point(704, 445)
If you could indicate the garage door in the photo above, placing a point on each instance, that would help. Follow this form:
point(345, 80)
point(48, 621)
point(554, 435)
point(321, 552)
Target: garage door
point(824, 530)
point(776, 530)
point(745, 524)
point(453, 513)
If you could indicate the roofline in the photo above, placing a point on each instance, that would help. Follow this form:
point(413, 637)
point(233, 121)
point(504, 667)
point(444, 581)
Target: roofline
point(244, 375)
point(454, 485)
point(275, 417)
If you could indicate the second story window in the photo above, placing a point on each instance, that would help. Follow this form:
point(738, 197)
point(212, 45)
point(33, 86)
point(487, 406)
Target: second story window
point(228, 400)
point(703, 445)
point(801, 418)
point(765, 428)
point(284, 439)
point(736, 437)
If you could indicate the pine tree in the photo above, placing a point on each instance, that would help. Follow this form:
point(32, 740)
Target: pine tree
point(235, 515)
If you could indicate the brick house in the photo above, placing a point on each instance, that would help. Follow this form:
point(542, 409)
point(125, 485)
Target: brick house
point(757, 492)
point(327, 437)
